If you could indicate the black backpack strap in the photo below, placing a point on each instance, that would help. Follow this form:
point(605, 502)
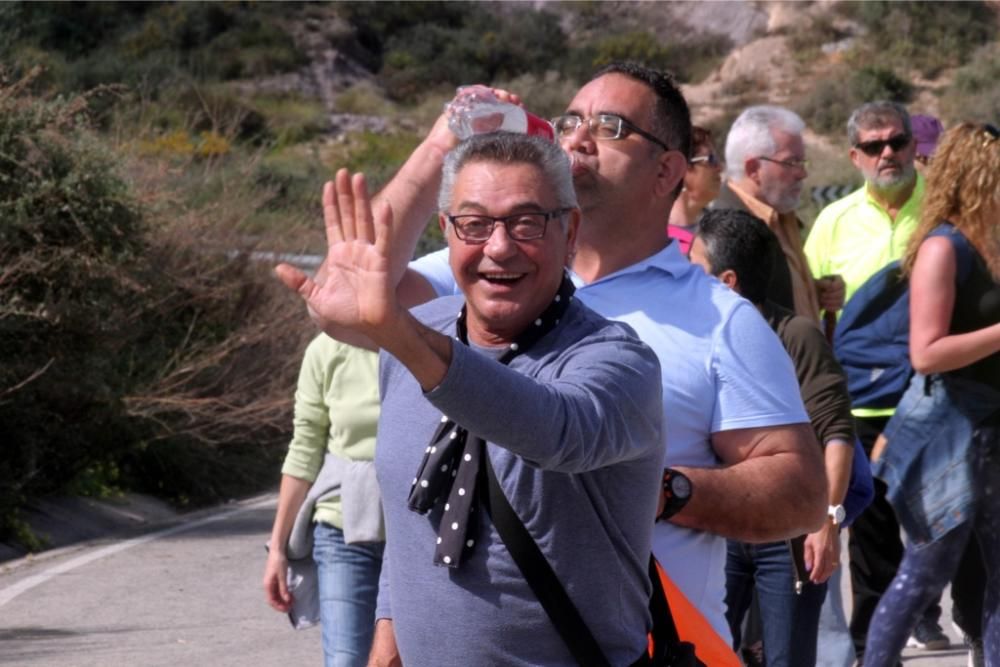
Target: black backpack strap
point(540, 576)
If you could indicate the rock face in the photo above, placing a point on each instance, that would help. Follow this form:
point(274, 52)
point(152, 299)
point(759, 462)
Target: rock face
point(330, 71)
point(765, 63)
point(739, 21)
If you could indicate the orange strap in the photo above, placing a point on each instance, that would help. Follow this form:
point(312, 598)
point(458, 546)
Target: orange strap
point(693, 627)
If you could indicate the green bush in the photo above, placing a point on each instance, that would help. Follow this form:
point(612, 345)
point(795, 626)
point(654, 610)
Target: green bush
point(926, 36)
point(828, 106)
point(70, 239)
point(689, 59)
point(545, 95)
point(148, 46)
point(875, 83)
point(974, 95)
point(377, 154)
point(482, 49)
point(363, 98)
point(128, 332)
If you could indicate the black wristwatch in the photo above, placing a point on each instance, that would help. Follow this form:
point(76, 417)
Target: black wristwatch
point(676, 491)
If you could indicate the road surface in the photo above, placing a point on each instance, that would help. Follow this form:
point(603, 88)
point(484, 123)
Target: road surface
point(185, 595)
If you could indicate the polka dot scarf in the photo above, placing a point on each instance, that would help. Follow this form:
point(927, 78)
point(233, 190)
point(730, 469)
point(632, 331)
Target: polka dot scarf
point(451, 466)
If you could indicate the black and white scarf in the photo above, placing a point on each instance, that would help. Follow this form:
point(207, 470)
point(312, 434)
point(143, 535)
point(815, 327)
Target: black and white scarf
point(452, 461)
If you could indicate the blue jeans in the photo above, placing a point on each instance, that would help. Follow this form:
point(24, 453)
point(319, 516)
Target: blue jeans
point(834, 645)
point(348, 587)
point(790, 620)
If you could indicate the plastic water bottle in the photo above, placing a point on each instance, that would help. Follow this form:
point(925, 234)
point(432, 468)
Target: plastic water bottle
point(476, 110)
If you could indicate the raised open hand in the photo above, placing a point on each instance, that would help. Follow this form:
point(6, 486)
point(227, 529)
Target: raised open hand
point(354, 288)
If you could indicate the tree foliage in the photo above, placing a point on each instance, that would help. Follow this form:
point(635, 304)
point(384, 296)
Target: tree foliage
point(124, 340)
point(927, 36)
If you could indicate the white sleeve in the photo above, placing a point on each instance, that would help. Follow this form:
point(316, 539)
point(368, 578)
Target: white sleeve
point(434, 267)
point(755, 377)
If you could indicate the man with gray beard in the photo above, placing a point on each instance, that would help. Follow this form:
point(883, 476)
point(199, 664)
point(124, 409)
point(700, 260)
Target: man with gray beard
point(765, 170)
point(854, 237)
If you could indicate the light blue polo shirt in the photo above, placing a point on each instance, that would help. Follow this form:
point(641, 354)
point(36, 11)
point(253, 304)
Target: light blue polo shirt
point(723, 369)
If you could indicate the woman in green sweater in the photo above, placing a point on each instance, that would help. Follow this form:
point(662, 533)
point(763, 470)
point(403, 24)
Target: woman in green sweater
point(328, 477)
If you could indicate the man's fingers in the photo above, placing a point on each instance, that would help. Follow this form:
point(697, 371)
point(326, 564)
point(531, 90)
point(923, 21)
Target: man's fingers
point(506, 96)
point(382, 228)
point(345, 204)
point(362, 209)
point(331, 215)
point(294, 279)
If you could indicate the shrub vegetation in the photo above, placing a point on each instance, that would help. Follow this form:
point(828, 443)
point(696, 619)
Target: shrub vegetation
point(141, 347)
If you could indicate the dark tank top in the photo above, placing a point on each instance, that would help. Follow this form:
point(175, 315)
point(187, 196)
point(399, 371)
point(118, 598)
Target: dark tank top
point(977, 305)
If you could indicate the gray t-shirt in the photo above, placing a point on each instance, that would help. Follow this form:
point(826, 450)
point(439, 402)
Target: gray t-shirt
point(574, 433)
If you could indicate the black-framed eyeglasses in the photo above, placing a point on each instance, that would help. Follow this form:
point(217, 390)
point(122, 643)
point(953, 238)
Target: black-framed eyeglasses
point(603, 126)
point(794, 163)
point(711, 160)
point(873, 148)
point(525, 226)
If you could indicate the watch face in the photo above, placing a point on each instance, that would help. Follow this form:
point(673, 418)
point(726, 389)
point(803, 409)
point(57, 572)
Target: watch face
point(680, 486)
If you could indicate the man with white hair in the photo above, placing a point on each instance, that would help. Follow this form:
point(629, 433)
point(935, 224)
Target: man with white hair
point(765, 169)
point(511, 399)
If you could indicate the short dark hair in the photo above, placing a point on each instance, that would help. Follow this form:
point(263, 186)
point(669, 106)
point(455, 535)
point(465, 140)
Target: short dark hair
point(671, 116)
point(700, 138)
point(738, 241)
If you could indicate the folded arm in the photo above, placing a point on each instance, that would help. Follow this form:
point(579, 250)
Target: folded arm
point(771, 487)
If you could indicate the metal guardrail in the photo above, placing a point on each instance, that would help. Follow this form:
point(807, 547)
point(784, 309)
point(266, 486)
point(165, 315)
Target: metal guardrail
point(308, 263)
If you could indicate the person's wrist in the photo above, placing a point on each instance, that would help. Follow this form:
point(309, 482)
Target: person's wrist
point(675, 492)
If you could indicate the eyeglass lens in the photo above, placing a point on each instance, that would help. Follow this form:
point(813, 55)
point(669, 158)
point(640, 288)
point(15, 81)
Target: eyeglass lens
point(602, 126)
point(520, 227)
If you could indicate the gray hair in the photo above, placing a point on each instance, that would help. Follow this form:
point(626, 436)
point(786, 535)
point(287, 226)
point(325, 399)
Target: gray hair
point(875, 116)
point(752, 135)
point(510, 148)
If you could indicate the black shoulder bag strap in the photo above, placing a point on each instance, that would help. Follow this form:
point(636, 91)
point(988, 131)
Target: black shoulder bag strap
point(539, 575)
point(668, 649)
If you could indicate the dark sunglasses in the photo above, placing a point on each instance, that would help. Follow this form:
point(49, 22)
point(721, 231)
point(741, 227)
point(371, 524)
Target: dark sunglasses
point(876, 146)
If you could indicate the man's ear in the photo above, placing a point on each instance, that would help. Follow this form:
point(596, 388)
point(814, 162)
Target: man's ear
point(443, 224)
point(572, 233)
point(672, 166)
point(855, 158)
point(730, 280)
point(751, 167)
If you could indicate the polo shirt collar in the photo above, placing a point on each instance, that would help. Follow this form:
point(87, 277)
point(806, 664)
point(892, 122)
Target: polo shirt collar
point(669, 260)
point(914, 200)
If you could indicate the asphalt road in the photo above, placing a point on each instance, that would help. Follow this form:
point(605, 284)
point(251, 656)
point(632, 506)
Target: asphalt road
point(185, 595)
